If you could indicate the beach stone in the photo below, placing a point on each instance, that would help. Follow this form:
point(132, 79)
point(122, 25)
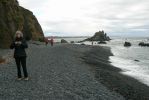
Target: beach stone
point(2, 60)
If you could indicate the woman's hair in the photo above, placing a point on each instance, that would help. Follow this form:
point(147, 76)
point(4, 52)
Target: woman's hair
point(18, 32)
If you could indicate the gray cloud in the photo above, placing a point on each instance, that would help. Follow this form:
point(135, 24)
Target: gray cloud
point(84, 17)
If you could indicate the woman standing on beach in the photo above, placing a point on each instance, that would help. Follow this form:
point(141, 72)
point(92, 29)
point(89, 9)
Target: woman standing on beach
point(19, 44)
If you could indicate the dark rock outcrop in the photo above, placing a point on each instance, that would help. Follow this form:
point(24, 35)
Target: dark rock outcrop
point(102, 42)
point(99, 36)
point(63, 41)
point(14, 17)
point(143, 44)
point(127, 44)
point(72, 42)
point(82, 43)
point(136, 60)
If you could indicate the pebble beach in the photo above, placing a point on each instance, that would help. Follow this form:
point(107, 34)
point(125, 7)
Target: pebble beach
point(68, 72)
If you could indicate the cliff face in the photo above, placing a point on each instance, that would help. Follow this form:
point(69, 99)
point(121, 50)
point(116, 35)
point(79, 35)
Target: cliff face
point(13, 18)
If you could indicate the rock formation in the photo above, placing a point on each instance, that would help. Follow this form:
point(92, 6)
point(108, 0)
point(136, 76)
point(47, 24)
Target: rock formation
point(127, 44)
point(99, 36)
point(14, 17)
point(143, 44)
point(63, 41)
point(102, 42)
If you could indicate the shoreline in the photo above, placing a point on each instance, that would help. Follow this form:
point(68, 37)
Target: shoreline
point(111, 77)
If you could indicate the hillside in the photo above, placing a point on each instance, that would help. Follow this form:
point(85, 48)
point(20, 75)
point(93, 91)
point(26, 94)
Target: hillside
point(14, 17)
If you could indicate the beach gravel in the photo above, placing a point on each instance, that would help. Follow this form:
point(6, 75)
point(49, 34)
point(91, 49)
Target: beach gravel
point(56, 73)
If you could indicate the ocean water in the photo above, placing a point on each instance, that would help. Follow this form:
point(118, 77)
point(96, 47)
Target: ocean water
point(124, 57)
point(69, 39)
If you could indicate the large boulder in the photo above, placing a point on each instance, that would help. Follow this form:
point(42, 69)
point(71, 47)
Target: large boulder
point(14, 17)
point(63, 41)
point(99, 36)
point(127, 44)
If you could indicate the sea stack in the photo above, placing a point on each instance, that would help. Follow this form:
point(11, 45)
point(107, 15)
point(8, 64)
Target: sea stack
point(99, 36)
point(14, 17)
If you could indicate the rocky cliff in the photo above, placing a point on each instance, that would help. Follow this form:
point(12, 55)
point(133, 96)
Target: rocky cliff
point(14, 17)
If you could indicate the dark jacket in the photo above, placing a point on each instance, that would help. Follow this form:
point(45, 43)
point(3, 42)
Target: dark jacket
point(19, 49)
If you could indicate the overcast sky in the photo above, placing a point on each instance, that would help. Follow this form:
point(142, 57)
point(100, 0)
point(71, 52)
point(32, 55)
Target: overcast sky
point(85, 17)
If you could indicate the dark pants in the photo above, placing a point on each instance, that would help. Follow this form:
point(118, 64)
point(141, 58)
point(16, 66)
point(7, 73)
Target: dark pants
point(21, 61)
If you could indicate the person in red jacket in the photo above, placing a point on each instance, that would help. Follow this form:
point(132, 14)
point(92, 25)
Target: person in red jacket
point(46, 41)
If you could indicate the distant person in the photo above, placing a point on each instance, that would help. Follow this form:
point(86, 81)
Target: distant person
point(19, 44)
point(46, 41)
point(92, 42)
point(52, 41)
